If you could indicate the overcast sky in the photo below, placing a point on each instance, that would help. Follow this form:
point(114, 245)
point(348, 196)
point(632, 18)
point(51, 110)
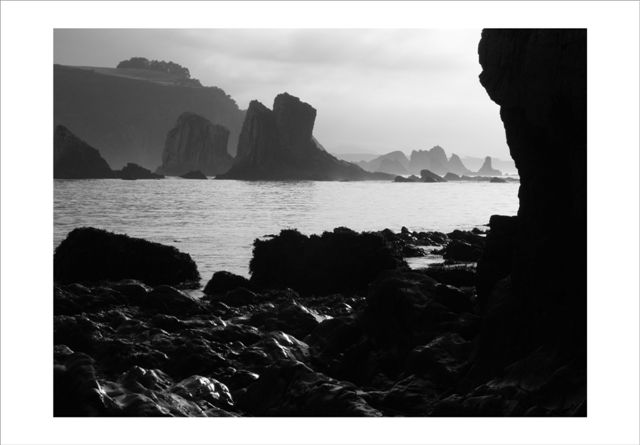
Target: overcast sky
point(375, 90)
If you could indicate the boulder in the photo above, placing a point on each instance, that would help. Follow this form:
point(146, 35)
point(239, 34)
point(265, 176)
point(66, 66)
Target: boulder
point(429, 176)
point(458, 250)
point(88, 254)
point(223, 281)
point(195, 144)
point(73, 158)
point(342, 260)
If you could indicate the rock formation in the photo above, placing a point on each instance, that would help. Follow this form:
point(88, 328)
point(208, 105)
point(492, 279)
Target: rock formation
point(456, 166)
point(538, 78)
point(128, 118)
point(195, 144)
point(90, 255)
point(395, 163)
point(487, 169)
point(75, 159)
point(278, 144)
point(134, 171)
point(429, 176)
point(434, 160)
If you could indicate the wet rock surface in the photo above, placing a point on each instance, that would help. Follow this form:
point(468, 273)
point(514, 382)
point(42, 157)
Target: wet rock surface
point(400, 343)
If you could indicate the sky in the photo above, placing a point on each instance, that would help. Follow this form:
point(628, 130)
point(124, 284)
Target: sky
point(376, 90)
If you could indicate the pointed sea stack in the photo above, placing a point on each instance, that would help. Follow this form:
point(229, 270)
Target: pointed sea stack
point(278, 144)
point(457, 167)
point(487, 169)
point(195, 144)
point(73, 158)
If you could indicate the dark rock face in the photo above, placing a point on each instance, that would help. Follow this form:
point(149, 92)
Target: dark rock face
point(412, 178)
point(195, 144)
point(342, 260)
point(195, 174)
point(538, 77)
point(429, 176)
point(90, 255)
point(134, 171)
point(130, 118)
point(279, 145)
point(75, 159)
point(487, 169)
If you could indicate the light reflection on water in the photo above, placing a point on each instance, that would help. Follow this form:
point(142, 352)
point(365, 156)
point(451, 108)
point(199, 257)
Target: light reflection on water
point(216, 221)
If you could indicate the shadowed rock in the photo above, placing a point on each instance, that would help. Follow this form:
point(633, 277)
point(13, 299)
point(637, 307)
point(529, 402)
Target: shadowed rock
point(195, 174)
point(342, 260)
point(88, 255)
point(134, 171)
point(279, 145)
point(75, 159)
point(429, 176)
point(195, 144)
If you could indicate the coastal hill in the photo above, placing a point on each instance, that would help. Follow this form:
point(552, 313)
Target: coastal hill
point(73, 158)
point(127, 112)
point(278, 144)
point(195, 144)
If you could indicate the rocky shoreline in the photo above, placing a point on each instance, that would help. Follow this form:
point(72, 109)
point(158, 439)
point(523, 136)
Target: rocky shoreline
point(338, 326)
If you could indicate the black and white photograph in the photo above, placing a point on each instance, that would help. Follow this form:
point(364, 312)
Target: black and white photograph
point(321, 223)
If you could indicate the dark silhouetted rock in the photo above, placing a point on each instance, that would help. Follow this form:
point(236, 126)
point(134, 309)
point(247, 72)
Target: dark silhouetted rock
point(498, 180)
point(279, 145)
point(429, 176)
point(88, 255)
point(342, 260)
point(195, 174)
point(487, 169)
point(195, 144)
point(75, 159)
point(224, 281)
point(458, 250)
point(134, 171)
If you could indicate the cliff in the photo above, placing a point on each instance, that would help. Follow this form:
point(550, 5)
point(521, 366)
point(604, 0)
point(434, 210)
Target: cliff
point(127, 113)
point(195, 144)
point(278, 144)
point(73, 158)
point(487, 169)
point(538, 295)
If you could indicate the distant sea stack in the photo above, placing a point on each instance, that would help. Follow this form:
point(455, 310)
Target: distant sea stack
point(278, 144)
point(127, 112)
point(457, 167)
point(434, 160)
point(395, 163)
point(195, 144)
point(73, 158)
point(487, 169)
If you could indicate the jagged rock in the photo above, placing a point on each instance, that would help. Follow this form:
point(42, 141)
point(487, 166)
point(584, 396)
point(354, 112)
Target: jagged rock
point(487, 169)
point(456, 166)
point(342, 260)
point(134, 171)
point(195, 174)
point(279, 145)
point(73, 158)
point(434, 159)
point(429, 176)
point(89, 255)
point(195, 144)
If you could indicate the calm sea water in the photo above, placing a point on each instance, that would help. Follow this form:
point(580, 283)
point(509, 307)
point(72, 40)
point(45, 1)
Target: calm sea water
point(216, 221)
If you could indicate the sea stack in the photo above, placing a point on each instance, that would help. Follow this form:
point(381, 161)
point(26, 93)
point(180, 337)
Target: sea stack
point(434, 159)
point(195, 144)
point(73, 158)
point(487, 169)
point(457, 167)
point(278, 144)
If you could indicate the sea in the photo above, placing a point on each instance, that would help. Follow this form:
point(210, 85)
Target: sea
point(217, 221)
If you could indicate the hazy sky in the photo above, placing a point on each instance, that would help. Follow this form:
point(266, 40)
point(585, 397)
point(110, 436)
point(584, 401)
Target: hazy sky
point(375, 90)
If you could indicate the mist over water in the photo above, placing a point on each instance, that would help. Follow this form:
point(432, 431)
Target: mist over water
point(216, 221)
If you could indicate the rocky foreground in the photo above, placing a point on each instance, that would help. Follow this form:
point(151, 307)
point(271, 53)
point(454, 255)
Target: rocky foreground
point(330, 325)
